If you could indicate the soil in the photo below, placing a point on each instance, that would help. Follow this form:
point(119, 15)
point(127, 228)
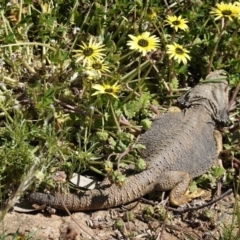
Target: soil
point(213, 222)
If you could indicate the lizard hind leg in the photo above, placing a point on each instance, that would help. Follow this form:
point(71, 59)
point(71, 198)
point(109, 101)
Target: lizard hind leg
point(178, 183)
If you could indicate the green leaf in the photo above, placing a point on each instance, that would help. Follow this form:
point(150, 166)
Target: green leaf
point(174, 84)
point(217, 171)
point(193, 186)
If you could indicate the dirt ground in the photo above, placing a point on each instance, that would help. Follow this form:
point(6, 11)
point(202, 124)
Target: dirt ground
point(207, 223)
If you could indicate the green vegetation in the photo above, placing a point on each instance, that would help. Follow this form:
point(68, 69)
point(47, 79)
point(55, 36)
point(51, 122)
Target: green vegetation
point(80, 79)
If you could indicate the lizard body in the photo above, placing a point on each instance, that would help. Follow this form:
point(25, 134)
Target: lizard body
point(179, 146)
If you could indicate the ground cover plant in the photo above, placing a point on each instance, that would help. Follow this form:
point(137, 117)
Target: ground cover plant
point(80, 80)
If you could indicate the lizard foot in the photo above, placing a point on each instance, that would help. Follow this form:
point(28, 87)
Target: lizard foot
point(198, 193)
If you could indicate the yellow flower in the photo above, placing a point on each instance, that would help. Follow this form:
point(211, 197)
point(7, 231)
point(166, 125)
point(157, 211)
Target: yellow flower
point(91, 52)
point(228, 10)
point(237, 4)
point(178, 52)
point(90, 74)
point(99, 66)
point(151, 14)
point(177, 22)
point(144, 43)
point(106, 89)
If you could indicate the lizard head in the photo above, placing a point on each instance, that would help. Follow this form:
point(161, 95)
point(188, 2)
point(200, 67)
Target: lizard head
point(212, 94)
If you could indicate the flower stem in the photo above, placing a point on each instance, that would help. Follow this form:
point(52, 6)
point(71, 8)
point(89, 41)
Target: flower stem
point(115, 118)
point(29, 44)
point(129, 76)
point(126, 55)
point(215, 47)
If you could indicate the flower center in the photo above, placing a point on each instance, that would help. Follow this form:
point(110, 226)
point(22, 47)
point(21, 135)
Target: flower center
point(109, 90)
point(143, 43)
point(151, 14)
point(227, 13)
point(97, 66)
point(176, 23)
point(179, 51)
point(88, 52)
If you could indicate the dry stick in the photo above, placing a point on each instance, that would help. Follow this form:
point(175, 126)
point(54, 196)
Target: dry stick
point(202, 206)
point(66, 209)
point(120, 156)
point(164, 224)
point(166, 4)
point(235, 159)
point(129, 149)
point(70, 108)
point(126, 208)
point(131, 90)
point(234, 96)
point(125, 122)
point(154, 109)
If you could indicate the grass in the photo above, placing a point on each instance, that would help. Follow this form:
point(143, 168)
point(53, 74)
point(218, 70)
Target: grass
point(59, 113)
